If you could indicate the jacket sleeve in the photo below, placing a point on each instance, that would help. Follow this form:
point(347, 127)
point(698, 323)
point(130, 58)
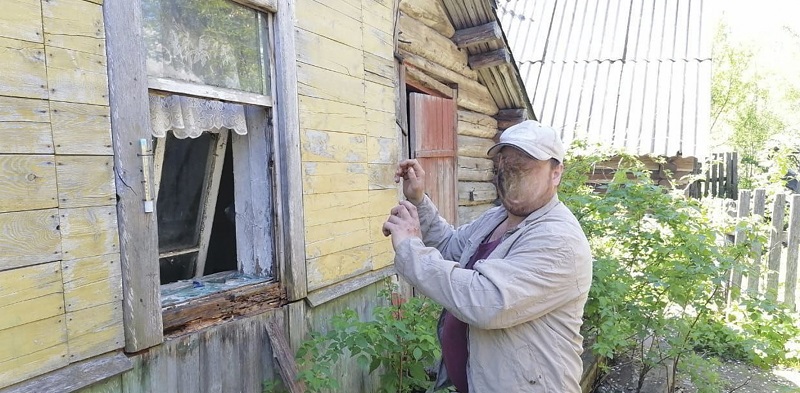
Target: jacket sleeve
point(439, 234)
point(539, 274)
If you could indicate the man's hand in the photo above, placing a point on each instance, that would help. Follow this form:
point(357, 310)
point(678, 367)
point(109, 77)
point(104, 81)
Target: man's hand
point(402, 223)
point(413, 180)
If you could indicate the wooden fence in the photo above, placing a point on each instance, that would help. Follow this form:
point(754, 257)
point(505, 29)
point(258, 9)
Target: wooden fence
point(722, 178)
point(774, 270)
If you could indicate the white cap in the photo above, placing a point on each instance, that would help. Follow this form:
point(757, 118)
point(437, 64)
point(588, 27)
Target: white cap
point(538, 141)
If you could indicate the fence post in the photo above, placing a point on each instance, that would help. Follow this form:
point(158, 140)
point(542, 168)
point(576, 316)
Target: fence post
point(743, 212)
point(792, 253)
point(775, 246)
point(754, 275)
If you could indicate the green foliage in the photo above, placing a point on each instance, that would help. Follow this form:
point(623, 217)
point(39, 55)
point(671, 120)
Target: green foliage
point(661, 269)
point(400, 342)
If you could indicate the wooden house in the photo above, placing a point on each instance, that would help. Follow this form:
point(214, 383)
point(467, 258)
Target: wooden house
point(187, 189)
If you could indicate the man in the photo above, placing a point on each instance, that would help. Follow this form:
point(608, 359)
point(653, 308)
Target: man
point(513, 283)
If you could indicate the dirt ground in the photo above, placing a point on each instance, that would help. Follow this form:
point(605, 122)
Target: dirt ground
point(737, 377)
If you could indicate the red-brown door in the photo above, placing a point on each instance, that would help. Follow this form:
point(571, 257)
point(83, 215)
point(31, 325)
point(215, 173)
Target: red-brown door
point(433, 144)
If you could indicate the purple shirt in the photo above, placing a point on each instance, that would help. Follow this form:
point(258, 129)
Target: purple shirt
point(454, 332)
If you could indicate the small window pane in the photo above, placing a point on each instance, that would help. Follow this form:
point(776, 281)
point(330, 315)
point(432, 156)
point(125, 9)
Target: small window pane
point(177, 267)
point(210, 42)
point(183, 179)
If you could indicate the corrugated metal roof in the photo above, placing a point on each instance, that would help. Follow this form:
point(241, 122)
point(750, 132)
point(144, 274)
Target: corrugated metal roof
point(628, 73)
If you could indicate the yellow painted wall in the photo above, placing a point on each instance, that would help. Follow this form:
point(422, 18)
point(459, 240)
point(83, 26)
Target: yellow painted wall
point(60, 285)
point(349, 139)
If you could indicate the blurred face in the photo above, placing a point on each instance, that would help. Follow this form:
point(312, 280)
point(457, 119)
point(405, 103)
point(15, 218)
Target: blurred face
point(524, 184)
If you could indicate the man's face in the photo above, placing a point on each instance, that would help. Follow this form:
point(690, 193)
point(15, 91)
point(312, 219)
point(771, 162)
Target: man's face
point(524, 184)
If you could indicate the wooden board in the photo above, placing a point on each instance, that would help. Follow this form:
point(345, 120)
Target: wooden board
point(335, 207)
point(91, 282)
point(324, 146)
point(382, 150)
point(381, 176)
point(95, 330)
point(30, 294)
point(86, 181)
point(23, 110)
point(27, 183)
point(333, 268)
point(475, 169)
point(32, 349)
point(81, 129)
point(323, 52)
point(379, 96)
point(323, 178)
point(22, 20)
point(91, 45)
point(337, 236)
point(89, 231)
point(476, 193)
point(22, 71)
point(340, 22)
point(382, 124)
point(73, 17)
point(29, 237)
point(26, 138)
point(97, 375)
point(328, 115)
point(470, 146)
point(318, 82)
point(77, 77)
point(130, 123)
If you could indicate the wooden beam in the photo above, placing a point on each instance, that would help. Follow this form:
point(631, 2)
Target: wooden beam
point(414, 37)
point(243, 301)
point(289, 205)
point(472, 95)
point(204, 91)
point(509, 117)
point(490, 59)
point(430, 13)
point(130, 122)
point(334, 291)
point(285, 356)
point(422, 81)
point(477, 35)
point(261, 5)
point(76, 376)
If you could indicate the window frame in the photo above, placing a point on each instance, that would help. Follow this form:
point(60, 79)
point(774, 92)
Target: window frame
point(129, 88)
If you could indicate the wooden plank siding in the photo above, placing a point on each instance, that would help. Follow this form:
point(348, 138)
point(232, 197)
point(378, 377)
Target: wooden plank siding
point(60, 277)
point(348, 137)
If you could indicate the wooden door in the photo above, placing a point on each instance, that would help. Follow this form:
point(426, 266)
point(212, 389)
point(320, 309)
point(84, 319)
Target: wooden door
point(432, 122)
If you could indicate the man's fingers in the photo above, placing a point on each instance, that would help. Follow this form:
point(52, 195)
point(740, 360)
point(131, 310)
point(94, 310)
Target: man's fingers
point(411, 209)
point(388, 227)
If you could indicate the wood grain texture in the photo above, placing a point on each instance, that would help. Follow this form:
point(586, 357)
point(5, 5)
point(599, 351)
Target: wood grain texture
point(130, 121)
point(478, 35)
point(430, 13)
point(318, 82)
point(96, 330)
point(323, 178)
point(23, 110)
point(328, 115)
point(336, 207)
point(290, 217)
point(325, 146)
point(475, 169)
point(89, 231)
point(477, 118)
point(27, 183)
point(81, 129)
point(91, 282)
point(96, 375)
point(337, 236)
point(476, 193)
point(22, 20)
point(32, 349)
point(323, 52)
point(26, 138)
point(348, 286)
point(743, 204)
point(73, 18)
point(467, 214)
point(30, 294)
point(284, 355)
point(775, 248)
point(85, 181)
point(793, 254)
point(332, 268)
point(414, 37)
point(337, 20)
point(754, 274)
point(29, 237)
point(22, 71)
point(470, 146)
point(472, 129)
point(90, 45)
point(75, 76)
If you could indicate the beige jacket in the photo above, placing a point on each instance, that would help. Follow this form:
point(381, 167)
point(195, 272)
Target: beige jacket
point(524, 304)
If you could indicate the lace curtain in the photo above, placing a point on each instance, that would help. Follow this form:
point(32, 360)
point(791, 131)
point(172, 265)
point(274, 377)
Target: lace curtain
point(188, 117)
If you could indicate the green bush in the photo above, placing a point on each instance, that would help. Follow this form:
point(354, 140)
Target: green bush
point(400, 342)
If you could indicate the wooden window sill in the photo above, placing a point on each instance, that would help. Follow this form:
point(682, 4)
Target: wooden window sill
point(194, 304)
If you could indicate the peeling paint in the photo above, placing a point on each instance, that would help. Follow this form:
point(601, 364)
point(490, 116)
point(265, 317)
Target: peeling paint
point(388, 151)
point(310, 168)
point(356, 168)
point(317, 143)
